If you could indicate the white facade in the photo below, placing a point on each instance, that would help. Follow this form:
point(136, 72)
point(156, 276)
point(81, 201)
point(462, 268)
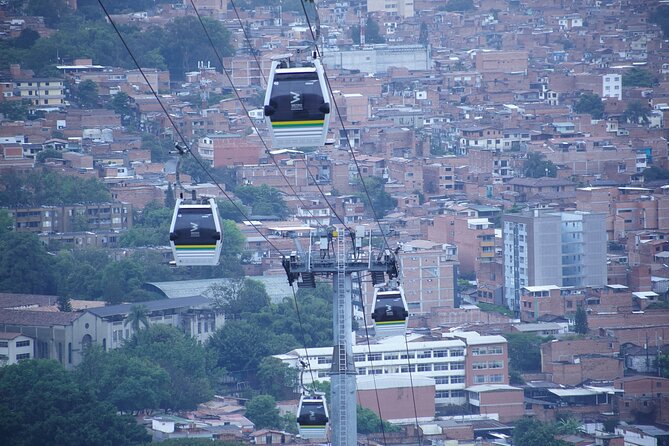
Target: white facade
point(612, 86)
point(15, 347)
point(442, 360)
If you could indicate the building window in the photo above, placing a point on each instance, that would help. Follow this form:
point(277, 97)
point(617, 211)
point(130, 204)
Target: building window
point(424, 367)
point(23, 344)
point(4, 344)
point(441, 353)
point(390, 356)
point(457, 379)
point(440, 367)
point(424, 354)
point(22, 356)
point(407, 369)
point(324, 360)
point(359, 358)
point(442, 394)
point(457, 352)
point(374, 357)
point(457, 394)
point(457, 366)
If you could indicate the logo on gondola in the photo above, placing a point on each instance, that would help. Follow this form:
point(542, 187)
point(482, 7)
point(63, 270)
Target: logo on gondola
point(296, 102)
point(194, 230)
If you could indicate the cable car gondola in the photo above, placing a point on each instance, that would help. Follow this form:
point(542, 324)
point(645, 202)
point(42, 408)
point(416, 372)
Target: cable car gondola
point(195, 233)
point(297, 105)
point(312, 416)
point(390, 311)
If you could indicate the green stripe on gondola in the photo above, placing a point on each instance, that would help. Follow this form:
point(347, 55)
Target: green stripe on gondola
point(195, 247)
point(298, 123)
point(390, 323)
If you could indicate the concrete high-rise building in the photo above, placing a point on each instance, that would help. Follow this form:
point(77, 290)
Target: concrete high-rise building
point(545, 247)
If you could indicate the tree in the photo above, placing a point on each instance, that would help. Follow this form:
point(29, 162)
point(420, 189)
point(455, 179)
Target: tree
point(42, 403)
point(372, 34)
point(25, 266)
point(6, 222)
point(42, 155)
point(51, 10)
point(591, 104)
point(27, 38)
point(122, 104)
point(524, 353)
point(276, 378)
point(370, 423)
point(137, 316)
point(663, 365)
point(262, 411)
point(581, 320)
point(130, 383)
point(530, 432)
point(87, 94)
point(423, 34)
point(263, 200)
point(14, 110)
point(458, 5)
point(638, 77)
point(381, 202)
point(536, 167)
point(655, 173)
point(184, 360)
point(239, 296)
point(170, 201)
point(637, 112)
point(64, 304)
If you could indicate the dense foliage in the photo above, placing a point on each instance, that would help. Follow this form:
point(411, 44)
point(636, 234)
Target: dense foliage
point(581, 321)
point(524, 351)
point(535, 166)
point(243, 343)
point(263, 200)
point(46, 188)
point(370, 423)
point(379, 202)
point(43, 404)
point(372, 33)
point(639, 77)
point(591, 104)
point(530, 432)
point(87, 34)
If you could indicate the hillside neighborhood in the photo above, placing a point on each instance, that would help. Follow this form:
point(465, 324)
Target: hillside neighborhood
point(513, 155)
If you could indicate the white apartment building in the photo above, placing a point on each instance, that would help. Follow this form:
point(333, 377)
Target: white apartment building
point(446, 360)
point(612, 86)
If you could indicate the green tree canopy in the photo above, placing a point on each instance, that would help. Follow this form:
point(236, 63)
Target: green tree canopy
point(138, 317)
point(370, 423)
point(277, 378)
point(263, 200)
point(262, 411)
point(637, 112)
point(581, 320)
point(458, 6)
point(46, 188)
point(239, 296)
point(372, 33)
point(6, 222)
point(654, 173)
point(591, 104)
point(638, 77)
point(530, 432)
point(14, 110)
point(184, 360)
point(86, 94)
point(41, 403)
point(381, 201)
point(25, 265)
point(131, 384)
point(524, 352)
point(535, 166)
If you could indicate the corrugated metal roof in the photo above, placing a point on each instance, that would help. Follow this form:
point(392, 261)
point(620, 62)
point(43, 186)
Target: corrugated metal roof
point(153, 305)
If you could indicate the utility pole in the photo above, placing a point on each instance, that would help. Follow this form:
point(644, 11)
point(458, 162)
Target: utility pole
point(335, 260)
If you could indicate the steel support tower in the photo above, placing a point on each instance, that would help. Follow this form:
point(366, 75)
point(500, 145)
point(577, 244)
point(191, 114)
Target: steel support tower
point(339, 263)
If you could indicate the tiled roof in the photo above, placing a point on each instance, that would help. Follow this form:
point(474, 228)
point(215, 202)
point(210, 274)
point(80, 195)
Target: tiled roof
point(15, 300)
point(36, 318)
point(154, 305)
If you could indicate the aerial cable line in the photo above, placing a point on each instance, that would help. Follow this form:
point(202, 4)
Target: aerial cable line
point(255, 128)
point(369, 351)
point(343, 125)
point(248, 40)
point(348, 141)
point(306, 159)
point(186, 147)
